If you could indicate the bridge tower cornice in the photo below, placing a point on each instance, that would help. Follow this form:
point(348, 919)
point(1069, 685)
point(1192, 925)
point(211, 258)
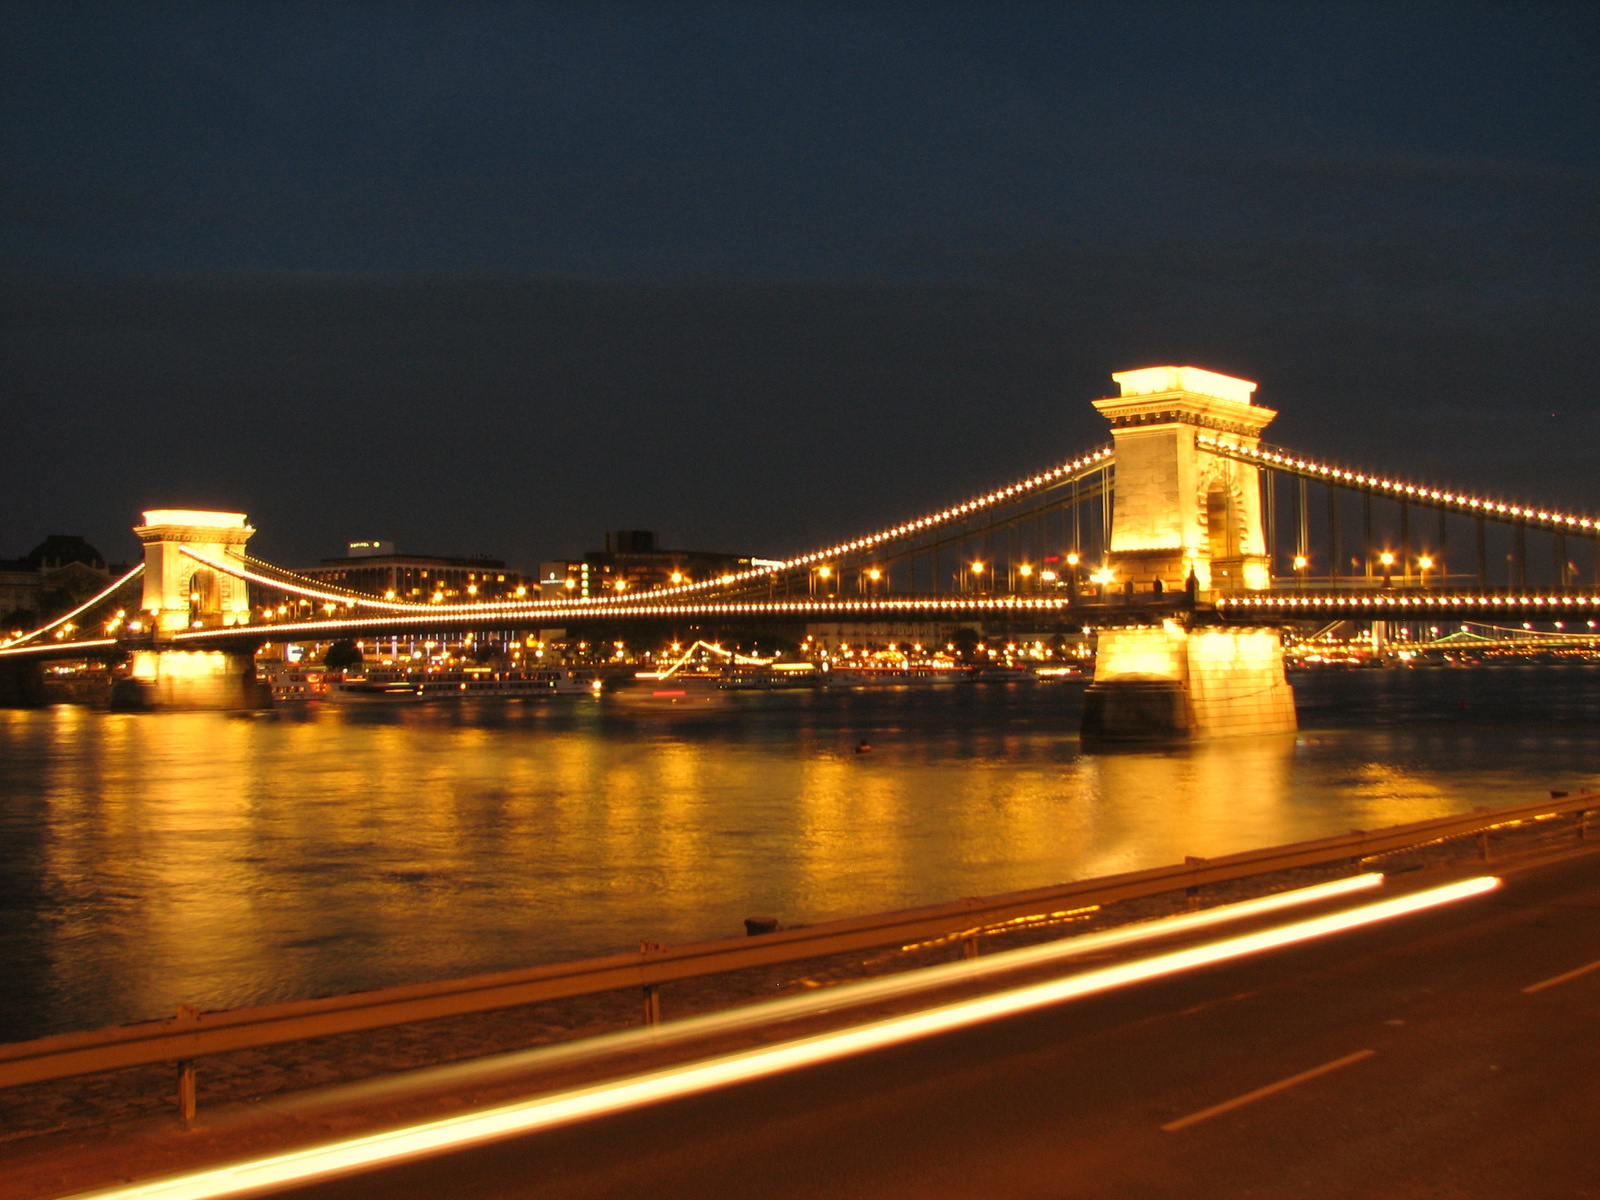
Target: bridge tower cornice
point(1171, 410)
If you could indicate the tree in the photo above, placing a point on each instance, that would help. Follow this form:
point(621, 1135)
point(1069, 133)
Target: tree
point(342, 655)
point(966, 643)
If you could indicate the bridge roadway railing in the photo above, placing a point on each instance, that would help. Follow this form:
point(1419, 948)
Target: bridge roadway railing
point(192, 1034)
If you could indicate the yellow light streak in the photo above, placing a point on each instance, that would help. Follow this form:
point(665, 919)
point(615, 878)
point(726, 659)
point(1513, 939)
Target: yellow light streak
point(582, 1104)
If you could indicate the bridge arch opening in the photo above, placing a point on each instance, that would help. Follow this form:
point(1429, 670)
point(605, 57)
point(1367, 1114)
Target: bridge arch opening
point(204, 593)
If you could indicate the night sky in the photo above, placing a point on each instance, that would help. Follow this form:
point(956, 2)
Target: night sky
point(496, 278)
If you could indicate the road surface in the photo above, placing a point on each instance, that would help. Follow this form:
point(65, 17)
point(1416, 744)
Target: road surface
point(1409, 1059)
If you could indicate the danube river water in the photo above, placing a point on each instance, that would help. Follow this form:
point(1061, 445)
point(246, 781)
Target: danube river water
point(216, 860)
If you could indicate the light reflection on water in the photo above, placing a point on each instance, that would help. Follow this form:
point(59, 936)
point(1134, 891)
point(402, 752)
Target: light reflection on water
point(218, 860)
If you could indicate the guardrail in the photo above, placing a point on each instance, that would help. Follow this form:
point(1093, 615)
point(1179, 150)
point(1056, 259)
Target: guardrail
point(193, 1034)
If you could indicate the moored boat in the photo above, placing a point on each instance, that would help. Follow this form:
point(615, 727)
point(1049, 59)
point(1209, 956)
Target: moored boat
point(371, 691)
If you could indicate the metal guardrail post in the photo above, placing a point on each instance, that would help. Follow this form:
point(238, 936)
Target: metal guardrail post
point(186, 1090)
point(186, 1080)
point(1192, 894)
point(652, 997)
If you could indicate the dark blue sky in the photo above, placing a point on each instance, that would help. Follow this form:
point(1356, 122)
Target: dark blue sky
point(496, 277)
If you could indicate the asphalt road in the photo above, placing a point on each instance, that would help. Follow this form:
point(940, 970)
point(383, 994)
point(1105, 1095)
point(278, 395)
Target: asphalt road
point(1444, 1079)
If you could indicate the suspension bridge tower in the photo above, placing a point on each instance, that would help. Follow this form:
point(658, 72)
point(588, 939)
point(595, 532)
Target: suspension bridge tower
point(182, 593)
point(1184, 517)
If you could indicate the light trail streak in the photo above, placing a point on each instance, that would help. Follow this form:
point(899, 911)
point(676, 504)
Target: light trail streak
point(848, 995)
point(524, 1117)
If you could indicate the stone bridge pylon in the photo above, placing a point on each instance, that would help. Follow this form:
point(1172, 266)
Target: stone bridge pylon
point(182, 593)
point(1183, 517)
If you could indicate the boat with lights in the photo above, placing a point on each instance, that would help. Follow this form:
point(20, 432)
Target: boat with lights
point(898, 676)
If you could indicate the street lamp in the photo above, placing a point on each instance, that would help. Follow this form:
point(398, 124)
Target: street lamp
point(1425, 564)
point(1025, 570)
point(1387, 560)
point(1300, 563)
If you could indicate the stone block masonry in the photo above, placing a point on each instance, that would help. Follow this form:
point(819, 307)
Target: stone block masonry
point(1173, 683)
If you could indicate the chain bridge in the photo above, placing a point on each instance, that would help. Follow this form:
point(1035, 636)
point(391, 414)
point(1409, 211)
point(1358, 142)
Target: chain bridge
point(1186, 544)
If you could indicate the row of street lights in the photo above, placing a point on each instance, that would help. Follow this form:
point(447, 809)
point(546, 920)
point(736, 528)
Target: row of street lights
point(1386, 559)
point(970, 577)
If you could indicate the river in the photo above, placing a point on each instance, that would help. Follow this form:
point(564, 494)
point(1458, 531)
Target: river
point(219, 860)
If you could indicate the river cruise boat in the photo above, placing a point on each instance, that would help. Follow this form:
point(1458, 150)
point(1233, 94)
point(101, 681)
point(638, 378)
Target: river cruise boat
point(909, 676)
point(292, 683)
point(770, 677)
point(1003, 674)
point(372, 691)
point(405, 686)
point(576, 681)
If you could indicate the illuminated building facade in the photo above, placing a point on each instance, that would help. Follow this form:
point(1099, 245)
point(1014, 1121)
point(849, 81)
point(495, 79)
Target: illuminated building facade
point(375, 569)
point(59, 570)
